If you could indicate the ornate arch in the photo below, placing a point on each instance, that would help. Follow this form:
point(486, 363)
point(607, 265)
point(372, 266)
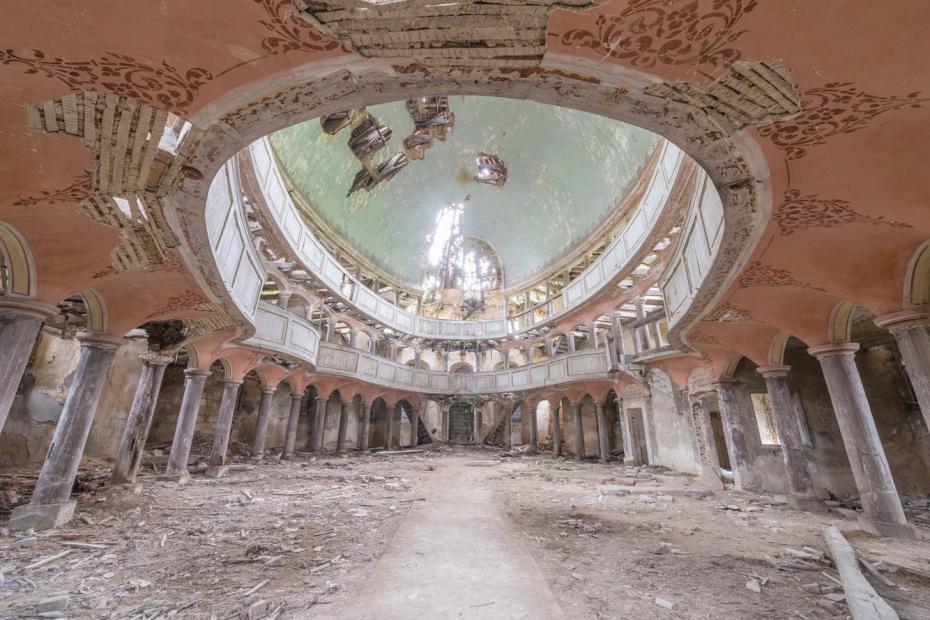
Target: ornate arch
point(917, 279)
point(20, 267)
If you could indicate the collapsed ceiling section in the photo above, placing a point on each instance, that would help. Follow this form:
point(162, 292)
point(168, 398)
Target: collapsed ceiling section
point(490, 33)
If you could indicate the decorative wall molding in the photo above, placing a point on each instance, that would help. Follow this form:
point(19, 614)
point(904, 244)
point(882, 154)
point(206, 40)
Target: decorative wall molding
point(163, 86)
point(760, 274)
point(799, 212)
point(833, 109)
point(668, 32)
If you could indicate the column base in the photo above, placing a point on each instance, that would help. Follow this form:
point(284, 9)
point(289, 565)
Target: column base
point(711, 478)
point(216, 471)
point(41, 516)
point(123, 488)
point(904, 531)
point(257, 460)
point(807, 504)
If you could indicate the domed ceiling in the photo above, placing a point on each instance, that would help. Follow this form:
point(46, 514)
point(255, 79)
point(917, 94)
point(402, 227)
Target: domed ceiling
point(566, 172)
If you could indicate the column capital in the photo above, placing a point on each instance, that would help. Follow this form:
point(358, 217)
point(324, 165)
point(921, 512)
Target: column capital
point(269, 390)
point(197, 372)
point(323, 398)
point(903, 319)
point(232, 381)
point(27, 308)
point(723, 381)
point(297, 395)
point(773, 370)
point(834, 349)
point(154, 358)
point(347, 403)
point(99, 340)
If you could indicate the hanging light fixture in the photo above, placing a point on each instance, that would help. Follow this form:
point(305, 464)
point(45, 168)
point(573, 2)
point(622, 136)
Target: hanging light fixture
point(491, 170)
point(336, 122)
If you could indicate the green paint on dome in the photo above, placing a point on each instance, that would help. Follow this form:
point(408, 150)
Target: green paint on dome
point(567, 171)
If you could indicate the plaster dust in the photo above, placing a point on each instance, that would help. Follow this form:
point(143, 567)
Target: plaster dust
point(441, 533)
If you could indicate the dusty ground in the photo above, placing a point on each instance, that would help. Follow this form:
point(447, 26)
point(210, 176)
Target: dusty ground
point(463, 533)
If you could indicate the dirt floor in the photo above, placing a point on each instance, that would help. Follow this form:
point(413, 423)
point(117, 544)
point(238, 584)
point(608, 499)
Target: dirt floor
point(444, 533)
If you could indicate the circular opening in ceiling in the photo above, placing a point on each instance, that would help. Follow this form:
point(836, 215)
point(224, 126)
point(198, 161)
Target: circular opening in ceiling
point(537, 183)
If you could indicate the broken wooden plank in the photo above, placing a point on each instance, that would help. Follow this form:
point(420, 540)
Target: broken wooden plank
point(864, 602)
point(48, 559)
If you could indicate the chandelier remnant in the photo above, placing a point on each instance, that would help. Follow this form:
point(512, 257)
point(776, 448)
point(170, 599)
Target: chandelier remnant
point(336, 122)
point(491, 170)
point(432, 119)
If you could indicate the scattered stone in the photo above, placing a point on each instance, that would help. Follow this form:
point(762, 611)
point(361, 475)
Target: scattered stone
point(25, 543)
point(663, 549)
point(661, 602)
point(813, 588)
point(53, 603)
point(753, 585)
point(256, 610)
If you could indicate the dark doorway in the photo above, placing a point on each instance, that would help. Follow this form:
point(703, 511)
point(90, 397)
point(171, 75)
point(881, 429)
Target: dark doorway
point(720, 441)
point(461, 423)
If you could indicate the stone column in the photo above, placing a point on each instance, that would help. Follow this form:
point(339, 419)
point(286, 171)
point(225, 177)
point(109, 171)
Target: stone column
point(365, 426)
point(654, 334)
point(735, 433)
point(639, 332)
point(911, 330)
point(445, 414)
point(139, 421)
point(508, 429)
point(224, 420)
point(631, 452)
point(570, 341)
point(343, 425)
point(50, 505)
point(417, 356)
point(261, 425)
point(293, 418)
point(283, 300)
point(652, 445)
point(415, 424)
point(20, 322)
point(579, 431)
point(506, 355)
point(632, 455)
point(529, 415)
point(556, 430)
point(187, 421)
point(880, 502)
point(319, 424)
point(390, 412)
point(617, 331)
point(801, 492)
point(603, 433)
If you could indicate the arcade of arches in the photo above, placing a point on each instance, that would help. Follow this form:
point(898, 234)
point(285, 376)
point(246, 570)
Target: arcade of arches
point(678, 245)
